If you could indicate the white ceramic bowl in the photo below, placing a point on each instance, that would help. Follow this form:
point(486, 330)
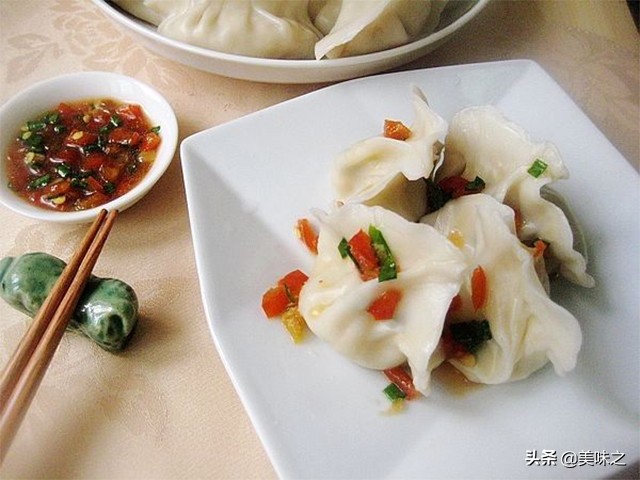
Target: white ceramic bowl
point(269, 70)
point(46, 95)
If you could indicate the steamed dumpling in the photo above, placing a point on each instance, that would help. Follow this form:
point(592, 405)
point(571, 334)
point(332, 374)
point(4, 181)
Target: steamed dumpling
point(335, 299)
point(363, 26)
point(527, 327)
point(390, 173)
point(256, 28)
point(482, 142)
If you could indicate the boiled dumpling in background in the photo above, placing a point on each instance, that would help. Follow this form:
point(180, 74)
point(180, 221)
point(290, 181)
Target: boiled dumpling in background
point(335, 299)
point(388, 172)
point(356, 27)
point(255, 28)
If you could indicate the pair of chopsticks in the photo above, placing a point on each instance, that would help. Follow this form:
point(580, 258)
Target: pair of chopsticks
point(26, 368)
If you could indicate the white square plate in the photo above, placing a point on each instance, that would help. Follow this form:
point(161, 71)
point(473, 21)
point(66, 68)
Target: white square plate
point(319, 415)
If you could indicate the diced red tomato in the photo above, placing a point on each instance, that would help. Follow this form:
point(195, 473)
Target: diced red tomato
point(81, 138)
point(93, 161)
point(403, 381)
point(90, 201)
point(384, 306)
point(111, 170)
point(294, 281)
point(479, 288)
point(396, 130)
point(454, 186)
point(307, 234)
point(70, 156)
point(124, 136)
point(56, 188)
point(67, 112)
point(94, 184)
point(275, 301)
point(364, 255)
point(150, 141)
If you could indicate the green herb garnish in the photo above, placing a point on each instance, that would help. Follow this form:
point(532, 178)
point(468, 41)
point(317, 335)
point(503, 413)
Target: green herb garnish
point(155, 129)
point(39, 182)
point(474, 186)
point(63, 170)
point(109, 188)
point(537, 168)
point(388, 268)
point(394, 393)
point(344, 249)
point(472, 334)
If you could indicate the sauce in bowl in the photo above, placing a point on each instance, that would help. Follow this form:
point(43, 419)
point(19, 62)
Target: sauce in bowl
point(81, 155)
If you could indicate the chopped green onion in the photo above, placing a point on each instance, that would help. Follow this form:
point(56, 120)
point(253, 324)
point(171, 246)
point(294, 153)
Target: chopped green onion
point(537, 168)
point(52, 118)
point(436, 196)
point(472, 334)
point(34, 126)
point(388, 267)
point(94, 147)
point(155, 129)
point(343, 248)
point(109, 188)
point(116, 121)
point(474, 186)
point(79, 183)
point(63, 170)
point(394, 393)
point(59, 129)
point(39, 182)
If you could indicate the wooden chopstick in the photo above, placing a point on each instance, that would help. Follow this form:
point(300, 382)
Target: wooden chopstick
point(27, 366)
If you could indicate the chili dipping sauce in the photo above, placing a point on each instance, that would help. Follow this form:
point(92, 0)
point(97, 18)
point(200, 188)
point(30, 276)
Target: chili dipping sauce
point(81, 155)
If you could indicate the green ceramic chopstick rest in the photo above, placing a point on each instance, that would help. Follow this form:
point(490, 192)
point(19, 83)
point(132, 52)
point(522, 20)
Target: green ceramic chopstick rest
point(107, 311)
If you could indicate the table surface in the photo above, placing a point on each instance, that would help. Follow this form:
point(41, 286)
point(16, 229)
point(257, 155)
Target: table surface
point(166, 407)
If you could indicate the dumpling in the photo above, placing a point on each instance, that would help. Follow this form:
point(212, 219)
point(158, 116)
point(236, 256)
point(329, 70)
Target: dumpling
point(390, 173)
point(335, 299)
point(363, 26)
point(255, 28)
point(152, 11)
point(527, 328)
point(482, 142)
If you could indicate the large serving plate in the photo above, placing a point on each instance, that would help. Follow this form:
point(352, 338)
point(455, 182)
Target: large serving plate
point(320, 416)
point(456, 15)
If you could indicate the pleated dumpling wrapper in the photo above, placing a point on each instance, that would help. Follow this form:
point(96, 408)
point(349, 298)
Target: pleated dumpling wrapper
point(357, 27)
point(390, 173)
point(254, 28)
point(335, 300)
point(527, 328)
point(482, 142)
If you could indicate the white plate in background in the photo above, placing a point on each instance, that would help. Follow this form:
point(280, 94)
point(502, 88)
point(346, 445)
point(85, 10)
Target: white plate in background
point(269, 70)
point(320, 416)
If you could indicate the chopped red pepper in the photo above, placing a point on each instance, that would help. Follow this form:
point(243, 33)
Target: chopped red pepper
point(150, 141)
point(364, 255)
point(307, 234)
point(403, 380)
point(479, 289)
point(396, 130)
point(539, 247)
point(294, 281)
point(384, 306)
point(275, 301)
